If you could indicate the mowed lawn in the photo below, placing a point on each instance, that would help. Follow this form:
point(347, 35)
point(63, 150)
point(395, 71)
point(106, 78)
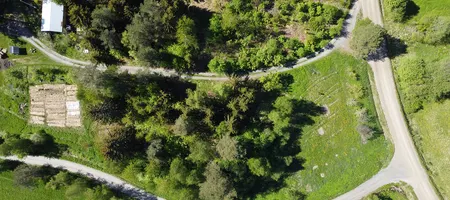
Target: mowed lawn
point(8, 190)
point(436, 7)
point(336, 161)
point(432, 127)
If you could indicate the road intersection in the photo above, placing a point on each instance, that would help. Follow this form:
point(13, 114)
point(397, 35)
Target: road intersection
point(405, 165)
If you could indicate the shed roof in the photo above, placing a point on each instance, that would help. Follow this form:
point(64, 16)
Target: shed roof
point(52, 16)
point(14, 49)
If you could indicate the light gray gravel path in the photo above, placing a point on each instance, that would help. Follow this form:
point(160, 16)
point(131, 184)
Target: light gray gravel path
point(333, 45)
point(103, 177)
point(405, 164)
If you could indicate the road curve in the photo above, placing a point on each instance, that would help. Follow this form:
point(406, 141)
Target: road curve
point(336, 43)
point(405, 164)
point(103, 177)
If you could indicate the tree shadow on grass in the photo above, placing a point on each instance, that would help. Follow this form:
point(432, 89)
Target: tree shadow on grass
point(412, 9)
point(8, 165)
point(396, 46)
point(48, 147)
point(282, 154)
point(123, 86)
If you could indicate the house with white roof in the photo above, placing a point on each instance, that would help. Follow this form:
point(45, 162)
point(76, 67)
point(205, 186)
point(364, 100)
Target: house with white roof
point(52, 16)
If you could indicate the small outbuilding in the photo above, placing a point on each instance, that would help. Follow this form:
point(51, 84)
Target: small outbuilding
point(52, 16)
point(14, 50)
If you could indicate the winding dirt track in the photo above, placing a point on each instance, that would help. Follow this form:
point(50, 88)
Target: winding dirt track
point(103, 177)
point(405, 165)
point(334, 44)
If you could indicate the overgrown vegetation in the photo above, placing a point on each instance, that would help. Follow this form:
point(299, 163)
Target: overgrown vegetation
point(51, 183)
point(241, 36)
point(393, 191)
point(419, 49)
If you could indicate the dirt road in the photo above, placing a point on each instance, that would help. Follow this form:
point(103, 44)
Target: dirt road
point(108, 179)
point(334, 44)
point(405, 165)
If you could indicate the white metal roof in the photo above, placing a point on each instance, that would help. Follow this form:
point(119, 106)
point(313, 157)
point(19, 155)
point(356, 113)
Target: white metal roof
point(52, 16)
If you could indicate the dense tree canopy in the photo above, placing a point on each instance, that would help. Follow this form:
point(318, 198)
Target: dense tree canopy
point(367, 38)
point(209, 143)
point(396, 9)
point(240, 36)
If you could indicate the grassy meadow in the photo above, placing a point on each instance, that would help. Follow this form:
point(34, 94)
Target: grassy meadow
point(430, 124)
point(336, 161)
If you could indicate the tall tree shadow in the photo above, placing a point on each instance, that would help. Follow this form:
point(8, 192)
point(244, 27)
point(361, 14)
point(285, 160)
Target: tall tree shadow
point(282, 154)
point(412, 9)
point(396, 46)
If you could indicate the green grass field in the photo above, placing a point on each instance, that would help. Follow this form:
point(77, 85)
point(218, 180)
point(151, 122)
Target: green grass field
point(79, 141)
point(337, 161)
point(432, 128)
point(436, 7)
point(10, 191)
point(430, 125)
point(394, 191)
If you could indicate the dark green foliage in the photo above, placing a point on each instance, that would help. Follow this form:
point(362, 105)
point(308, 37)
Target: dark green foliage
point(239, 37)
point(118, 143)
point(60, 180)
point(413, 82)
point(367, 38)
point(150, 30)
point(99, 193)
point(28, 176)
point(396, 9)
point(39, 143)
point(234, 126)
point(422, 82)
point(13, 145)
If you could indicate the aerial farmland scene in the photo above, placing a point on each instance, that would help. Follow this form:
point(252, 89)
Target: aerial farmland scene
point(224, 99)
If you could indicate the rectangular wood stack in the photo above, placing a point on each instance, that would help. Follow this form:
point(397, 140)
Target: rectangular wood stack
point(55, 105)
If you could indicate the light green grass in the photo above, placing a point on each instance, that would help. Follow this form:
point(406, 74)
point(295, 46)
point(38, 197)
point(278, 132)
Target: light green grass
point(10, 191)
point(338, 154)
point(37, 58)
point(429, 126)
point(394, 191)
point(434, 7)
point(432, 129)
point(79, 141)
